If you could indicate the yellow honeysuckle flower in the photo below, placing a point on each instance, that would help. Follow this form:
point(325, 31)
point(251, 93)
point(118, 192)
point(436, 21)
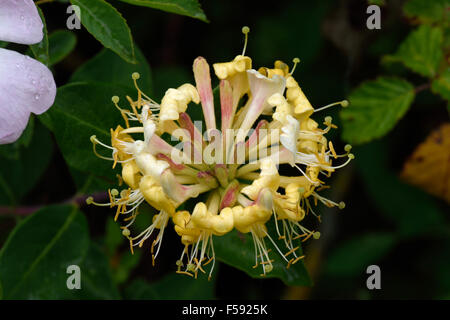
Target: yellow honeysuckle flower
point(234, 168)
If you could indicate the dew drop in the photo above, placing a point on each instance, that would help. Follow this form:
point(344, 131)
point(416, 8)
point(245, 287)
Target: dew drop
point(37, 96)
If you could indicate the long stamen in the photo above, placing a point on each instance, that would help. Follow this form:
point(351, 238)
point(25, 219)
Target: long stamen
point(245, 31)
point(295, 61)
point(95, 141)
point(343, 103)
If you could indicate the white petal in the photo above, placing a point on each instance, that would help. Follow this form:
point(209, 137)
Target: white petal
point(26, 85)
point(269, 86)
point(261, 88)
point(290, 134)
point(20, 22)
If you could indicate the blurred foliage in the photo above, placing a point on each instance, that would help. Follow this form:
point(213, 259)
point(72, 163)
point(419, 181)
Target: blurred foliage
point(397, 80)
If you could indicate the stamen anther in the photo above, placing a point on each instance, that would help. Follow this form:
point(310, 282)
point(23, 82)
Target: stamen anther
point(245, 31)
point(126, 232)
point(295, 61)
point(135, 75)
point(89, 200)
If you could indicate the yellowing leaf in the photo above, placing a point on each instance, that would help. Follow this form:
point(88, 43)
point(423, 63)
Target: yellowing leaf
point(429, 165)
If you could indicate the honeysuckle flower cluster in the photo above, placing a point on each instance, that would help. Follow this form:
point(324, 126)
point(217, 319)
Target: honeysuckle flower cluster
point(26, 85)
point(265, 121)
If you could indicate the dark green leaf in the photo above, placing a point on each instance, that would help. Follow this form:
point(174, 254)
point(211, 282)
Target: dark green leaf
point(27, 135)
point(190, 8)
point(113, 236)
point(427, 11)
point(441, 85)
point(61, 43)
point(109, 68)
point(96, 277)
point(34, 259)
point(40, 50)
point(21, 166)
point(80, 111)
point(240, 253)
point(422, 50)
point(89, 183)
point(375, 107)
point(353, 257)
point(173, 287)
point(108, 26)
point(126, 265)
point(126, 261)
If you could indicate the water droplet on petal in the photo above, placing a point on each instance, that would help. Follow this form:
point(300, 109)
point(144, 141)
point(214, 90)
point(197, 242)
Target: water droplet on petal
point(37, 96)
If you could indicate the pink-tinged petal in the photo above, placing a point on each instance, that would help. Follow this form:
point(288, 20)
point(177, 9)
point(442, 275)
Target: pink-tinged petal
point(203, 82)
point(26, 85)
point(194, 134)
point(226, 105)
point(261, 89)
point(20, 22)
point(230, 195)
point(178, 192)
point(255, 136)
point(173, 165)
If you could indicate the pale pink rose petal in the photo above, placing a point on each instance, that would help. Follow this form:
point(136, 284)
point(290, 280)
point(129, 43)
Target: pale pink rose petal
point(26, 85)
point(20, 22)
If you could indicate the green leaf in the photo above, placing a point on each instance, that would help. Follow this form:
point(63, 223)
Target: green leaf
point(34, 259)
point(96, 276)
point(108, 26)
point(375, 107)
point(352, 257)
point(190, 8)
point(40, 50)
point(126, 261)
point(27, 134)
point(441, 85)
point(90, 182)
point(113, 236)
point(23, 163)
point(108, 67)
point(422, 50)
point(61, 44)
point(240, 253)
point(171, 287)
point(80, 111)
point(427, 11)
